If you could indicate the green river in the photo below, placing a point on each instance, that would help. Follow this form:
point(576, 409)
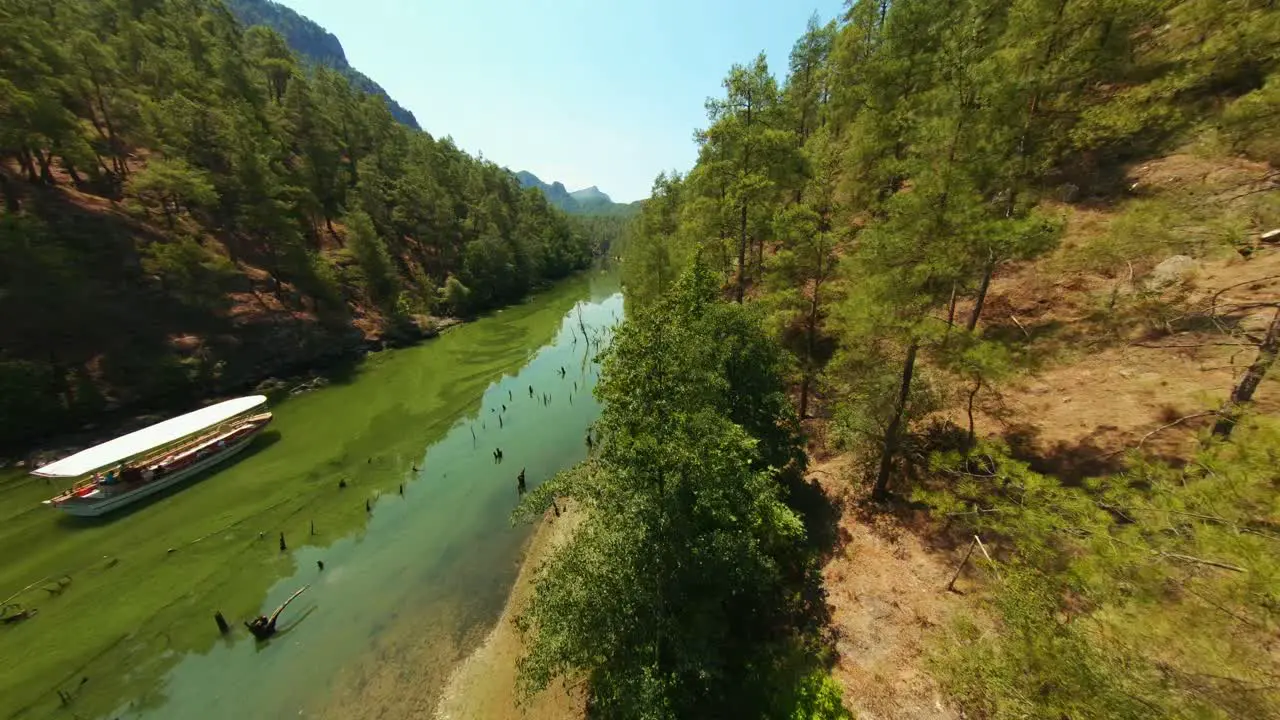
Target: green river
point(125, 625)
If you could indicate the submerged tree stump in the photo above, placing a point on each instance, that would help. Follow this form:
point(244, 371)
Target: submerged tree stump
point(264, 627)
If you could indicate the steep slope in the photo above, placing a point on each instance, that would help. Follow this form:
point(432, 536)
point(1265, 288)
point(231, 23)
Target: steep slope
point(177, 263)
point(316, 45)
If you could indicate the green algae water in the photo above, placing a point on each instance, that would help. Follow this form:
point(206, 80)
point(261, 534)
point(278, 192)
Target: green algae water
point(125, 605)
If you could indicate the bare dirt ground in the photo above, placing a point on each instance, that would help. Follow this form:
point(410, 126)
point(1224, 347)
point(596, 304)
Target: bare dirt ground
point(1105, 395)
point(886, 589)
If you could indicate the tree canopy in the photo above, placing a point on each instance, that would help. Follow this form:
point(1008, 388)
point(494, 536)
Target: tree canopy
point(143, 141)
point(677, 595)
point(863, 201)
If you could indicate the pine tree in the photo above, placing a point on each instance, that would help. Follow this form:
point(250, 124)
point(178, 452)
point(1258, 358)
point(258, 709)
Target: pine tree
point(747, 138)
point(800, 275)
point(375, 262)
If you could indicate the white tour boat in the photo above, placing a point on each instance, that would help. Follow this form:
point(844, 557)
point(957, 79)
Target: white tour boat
point(142, 463)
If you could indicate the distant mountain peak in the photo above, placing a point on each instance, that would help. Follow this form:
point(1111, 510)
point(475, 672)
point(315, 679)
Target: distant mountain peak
point(591, 194)
point(587, 201)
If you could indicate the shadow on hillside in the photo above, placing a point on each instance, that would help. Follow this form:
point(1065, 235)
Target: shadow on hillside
point(821, 517)
point(112, 317)
point(80, 293)
point(1070, 462)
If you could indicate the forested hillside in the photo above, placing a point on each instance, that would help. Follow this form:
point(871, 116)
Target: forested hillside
point(189, 207)
point(315, 44)
point(949, 218)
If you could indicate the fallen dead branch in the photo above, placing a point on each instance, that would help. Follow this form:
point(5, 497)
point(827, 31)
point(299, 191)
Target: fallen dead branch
point(1166, 426)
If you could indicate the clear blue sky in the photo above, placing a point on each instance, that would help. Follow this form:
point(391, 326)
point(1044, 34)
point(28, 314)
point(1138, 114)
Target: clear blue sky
point(604, 93)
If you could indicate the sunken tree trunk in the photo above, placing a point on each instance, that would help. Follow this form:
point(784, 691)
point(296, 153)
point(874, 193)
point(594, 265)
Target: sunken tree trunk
point(264, 627)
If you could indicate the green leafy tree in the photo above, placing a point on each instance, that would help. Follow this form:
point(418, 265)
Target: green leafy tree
point(747, 139)
point(685, 535)
point(808, 87)
point(375, 262)
point(801, 274)
point(455, 296)
point(173, 186)
point(656, 254)
point(190, 273)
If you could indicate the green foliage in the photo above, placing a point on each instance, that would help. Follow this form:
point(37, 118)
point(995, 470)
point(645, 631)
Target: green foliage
point(1039, 665)
point(655, 255)
point(317, 45)
point(249, 156)
point(375, 262)
point(455, 296)
point(1139, 595)
point(189, 272)
point(172, 186)
point(686, 541)
point(608, 234)
point(817, 697)
point(1253, 122)
point(27, 408)
point(904, 162)
point(1145, 231)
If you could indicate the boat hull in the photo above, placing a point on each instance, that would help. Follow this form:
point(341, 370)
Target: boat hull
point(96, 507)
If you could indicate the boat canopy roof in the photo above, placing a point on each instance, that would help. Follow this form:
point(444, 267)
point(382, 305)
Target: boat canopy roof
point(140, 441)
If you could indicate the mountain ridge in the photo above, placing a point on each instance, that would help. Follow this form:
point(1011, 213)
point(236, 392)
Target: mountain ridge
point(587, 201)
point(316, 44)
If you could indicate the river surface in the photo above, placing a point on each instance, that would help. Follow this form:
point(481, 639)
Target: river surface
point(125, 625)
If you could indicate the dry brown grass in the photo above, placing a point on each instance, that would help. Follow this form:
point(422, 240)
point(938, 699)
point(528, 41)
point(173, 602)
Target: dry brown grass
point(886, 590)
point(1101, 378)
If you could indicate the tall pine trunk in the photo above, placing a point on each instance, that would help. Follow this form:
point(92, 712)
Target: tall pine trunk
point(1244, 390)
point(71, 172)
point(893, 432)
point(113, 141)
point(44, 160)
point(810, 341)
point(742, 255)
point(805, 381)
point(982, 295)
point(28, 165)
point(10, 191)
point(973, 393)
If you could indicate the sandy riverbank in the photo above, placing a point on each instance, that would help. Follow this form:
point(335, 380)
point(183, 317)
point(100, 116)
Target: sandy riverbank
point(483, 687)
